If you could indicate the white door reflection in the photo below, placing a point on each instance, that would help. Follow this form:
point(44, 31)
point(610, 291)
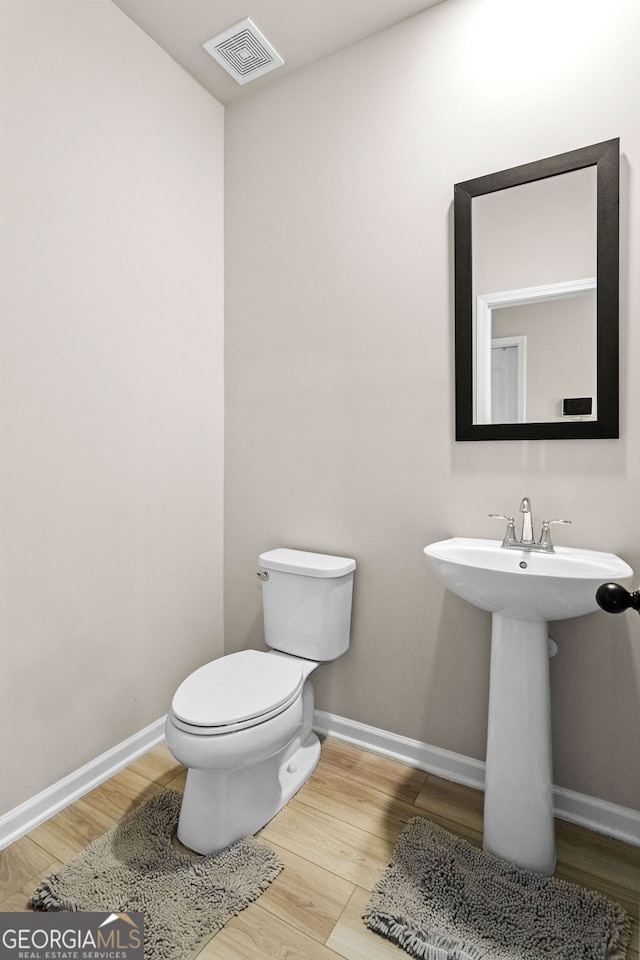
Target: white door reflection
point(508, 371)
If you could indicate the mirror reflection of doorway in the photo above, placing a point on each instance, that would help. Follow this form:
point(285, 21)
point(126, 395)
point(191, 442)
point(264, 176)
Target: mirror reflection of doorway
point(508, 379)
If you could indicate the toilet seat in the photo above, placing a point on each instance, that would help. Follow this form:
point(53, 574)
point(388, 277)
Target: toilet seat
point(237, 691)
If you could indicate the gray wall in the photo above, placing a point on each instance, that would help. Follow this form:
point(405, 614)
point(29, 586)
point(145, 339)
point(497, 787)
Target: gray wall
point(111, 403)
point(339, 366)
point(339, 362)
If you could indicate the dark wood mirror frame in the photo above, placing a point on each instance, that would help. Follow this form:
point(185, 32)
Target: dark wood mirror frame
point(606, 158)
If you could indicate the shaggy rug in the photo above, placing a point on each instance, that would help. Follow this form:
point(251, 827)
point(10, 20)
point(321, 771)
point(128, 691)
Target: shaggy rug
point(134, 868)
point(442, 899)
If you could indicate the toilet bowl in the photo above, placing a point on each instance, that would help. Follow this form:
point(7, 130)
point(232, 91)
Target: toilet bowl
point(242, 724)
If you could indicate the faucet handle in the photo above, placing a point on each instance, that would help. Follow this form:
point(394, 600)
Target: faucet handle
point(545, 535)
point(510, 535)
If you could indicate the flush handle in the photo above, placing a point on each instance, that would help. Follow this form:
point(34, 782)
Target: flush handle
point(262, 574)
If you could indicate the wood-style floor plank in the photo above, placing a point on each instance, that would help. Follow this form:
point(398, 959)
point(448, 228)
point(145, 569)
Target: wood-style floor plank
point(604, 858)
point(360, 804)
point(364, 768)
point(454, 806)
point(257, 935)
point(335, 839)
point(121, 793)
point(350, 853)
point(17, 902)
point(306, 896)
point(353, 941)
point(72, 829)
point(157, 765)
point(178, 782)
point(21, 863)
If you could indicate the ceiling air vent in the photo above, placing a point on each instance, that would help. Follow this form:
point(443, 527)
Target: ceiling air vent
point(243, 52)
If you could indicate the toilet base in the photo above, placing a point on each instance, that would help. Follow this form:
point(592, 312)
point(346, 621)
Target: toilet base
point(221, 806)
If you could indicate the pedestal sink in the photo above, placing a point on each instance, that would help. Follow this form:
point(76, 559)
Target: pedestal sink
point(523, 590)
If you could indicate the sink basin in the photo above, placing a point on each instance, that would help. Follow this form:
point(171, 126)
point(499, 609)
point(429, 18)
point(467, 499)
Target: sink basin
point(524, 585)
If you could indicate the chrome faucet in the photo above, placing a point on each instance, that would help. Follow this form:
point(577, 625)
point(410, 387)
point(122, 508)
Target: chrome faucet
point(527, 521)
point(527, 541)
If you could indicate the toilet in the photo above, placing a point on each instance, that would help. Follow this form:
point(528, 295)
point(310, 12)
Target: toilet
point(242, 724)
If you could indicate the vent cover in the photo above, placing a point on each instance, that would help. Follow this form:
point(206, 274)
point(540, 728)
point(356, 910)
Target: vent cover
point(243, 51)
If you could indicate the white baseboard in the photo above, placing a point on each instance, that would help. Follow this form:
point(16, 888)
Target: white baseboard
point(36, 810)
point(415, 753)
point(598, 815)
point(623, 823)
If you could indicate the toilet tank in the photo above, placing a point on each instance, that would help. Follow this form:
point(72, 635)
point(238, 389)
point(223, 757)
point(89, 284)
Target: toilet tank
point(306, 600)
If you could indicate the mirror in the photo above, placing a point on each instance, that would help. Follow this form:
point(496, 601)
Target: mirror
point(536, 299)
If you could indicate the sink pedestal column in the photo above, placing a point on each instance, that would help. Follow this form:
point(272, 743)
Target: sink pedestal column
point(518, 805)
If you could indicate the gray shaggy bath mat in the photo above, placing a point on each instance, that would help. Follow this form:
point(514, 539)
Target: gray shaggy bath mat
point(134, 868)
point(442, 899)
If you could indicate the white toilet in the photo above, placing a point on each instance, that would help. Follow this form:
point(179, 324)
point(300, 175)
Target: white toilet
point(242, 724)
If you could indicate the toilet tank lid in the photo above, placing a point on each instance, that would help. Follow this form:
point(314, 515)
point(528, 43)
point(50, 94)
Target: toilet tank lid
point(306, 564)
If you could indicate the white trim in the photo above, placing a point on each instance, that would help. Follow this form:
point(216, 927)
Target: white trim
point(601, 816)
point(623, 823)
point(36, 810)
point(444, 763)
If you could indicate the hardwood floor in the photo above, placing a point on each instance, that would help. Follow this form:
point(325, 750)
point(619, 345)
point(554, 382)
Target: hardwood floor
point(335, 838)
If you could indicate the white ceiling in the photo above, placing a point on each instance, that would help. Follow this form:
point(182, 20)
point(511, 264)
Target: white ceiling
point(302, 31)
